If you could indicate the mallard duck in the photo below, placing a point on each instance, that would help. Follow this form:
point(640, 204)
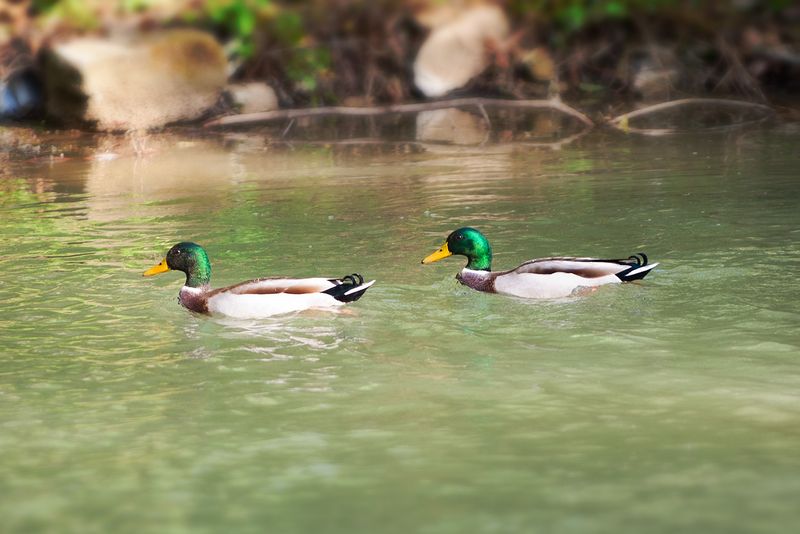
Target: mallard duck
point(261, 297)
point(540, 278)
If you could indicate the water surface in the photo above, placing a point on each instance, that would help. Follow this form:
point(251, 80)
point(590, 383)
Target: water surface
point(663, 406)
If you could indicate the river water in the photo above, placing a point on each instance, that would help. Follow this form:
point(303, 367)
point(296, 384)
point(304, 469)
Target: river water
point(669, 405)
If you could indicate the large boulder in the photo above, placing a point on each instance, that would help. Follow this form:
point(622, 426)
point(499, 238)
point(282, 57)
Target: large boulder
point(134, 83)
point(458, 48)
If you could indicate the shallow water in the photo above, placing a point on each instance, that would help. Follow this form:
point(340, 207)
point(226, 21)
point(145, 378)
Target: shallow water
point(668, 405)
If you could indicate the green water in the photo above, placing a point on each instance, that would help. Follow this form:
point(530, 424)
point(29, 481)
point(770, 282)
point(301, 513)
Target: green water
point(672, 405)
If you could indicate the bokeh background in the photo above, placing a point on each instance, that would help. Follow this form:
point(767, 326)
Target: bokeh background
point(352, 52)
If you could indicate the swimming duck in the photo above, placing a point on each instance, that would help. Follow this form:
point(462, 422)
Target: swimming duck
point(540, 278)
point(261, 297)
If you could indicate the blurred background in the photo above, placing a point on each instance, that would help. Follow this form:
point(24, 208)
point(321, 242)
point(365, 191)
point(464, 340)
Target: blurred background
point(263, 54)
point(668, 406)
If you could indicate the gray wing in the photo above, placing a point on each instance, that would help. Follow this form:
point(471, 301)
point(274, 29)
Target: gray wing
point(585, 267)
point(271, 286)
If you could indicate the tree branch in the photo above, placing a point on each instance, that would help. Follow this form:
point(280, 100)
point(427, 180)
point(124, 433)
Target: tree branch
point(266, 116)
point(620, 122)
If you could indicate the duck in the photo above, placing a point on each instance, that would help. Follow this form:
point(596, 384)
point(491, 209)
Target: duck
point(541, 278)
point(262, 297)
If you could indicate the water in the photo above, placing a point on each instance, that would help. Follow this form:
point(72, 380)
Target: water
point(664, 406)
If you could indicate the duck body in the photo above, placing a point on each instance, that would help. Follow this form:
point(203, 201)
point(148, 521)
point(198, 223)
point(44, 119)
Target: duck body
point(262, 297)
point(555, 277)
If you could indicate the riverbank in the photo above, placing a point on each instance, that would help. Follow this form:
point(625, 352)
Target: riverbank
point(125, 69)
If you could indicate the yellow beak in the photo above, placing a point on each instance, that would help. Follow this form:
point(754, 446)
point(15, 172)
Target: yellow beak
point(157, 269)
point(440, 254)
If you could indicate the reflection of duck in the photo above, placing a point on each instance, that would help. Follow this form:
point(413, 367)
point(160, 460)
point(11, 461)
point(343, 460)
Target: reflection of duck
point(540, 278)
point(256, 298)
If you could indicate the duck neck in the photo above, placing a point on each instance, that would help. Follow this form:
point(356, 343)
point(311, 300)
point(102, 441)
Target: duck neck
point(199, 274)
point(479, 255)
point(481, 259)
point(197, 281)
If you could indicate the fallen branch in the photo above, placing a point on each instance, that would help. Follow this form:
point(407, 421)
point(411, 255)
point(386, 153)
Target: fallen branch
point(621, 122)
point(266, 116)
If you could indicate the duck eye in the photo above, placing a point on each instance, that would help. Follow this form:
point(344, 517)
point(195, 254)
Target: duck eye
point(459, 237)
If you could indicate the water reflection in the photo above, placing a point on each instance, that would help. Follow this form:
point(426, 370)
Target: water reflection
point(452, 125)
point(146, 176)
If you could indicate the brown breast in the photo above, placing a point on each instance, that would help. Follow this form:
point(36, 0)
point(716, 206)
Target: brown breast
point(197, 301)
point(478, 280)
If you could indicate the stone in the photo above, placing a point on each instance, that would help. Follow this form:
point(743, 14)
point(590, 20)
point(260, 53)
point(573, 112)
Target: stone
point(134, 83)
point(252, 97)
point(458, 49)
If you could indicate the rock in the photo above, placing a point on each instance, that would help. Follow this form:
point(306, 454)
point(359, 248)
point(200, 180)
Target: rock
point(252, 97)
point(135, 83)
point(458, 50)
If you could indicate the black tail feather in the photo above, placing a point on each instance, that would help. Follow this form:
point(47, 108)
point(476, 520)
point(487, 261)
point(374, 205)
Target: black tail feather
point(341, 291)
point(635, 271)
point(640, 258)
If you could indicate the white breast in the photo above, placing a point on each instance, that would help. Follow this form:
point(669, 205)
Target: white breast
point(255, 306)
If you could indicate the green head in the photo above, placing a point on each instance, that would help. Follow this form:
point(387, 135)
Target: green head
point(466, 242)
point(188, 257)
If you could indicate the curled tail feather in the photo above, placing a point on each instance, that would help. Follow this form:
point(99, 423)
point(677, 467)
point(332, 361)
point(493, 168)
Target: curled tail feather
point(638, 267)
point(349, 288)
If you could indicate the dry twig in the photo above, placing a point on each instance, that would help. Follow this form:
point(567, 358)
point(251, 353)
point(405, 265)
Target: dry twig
point(621, 122)
point(254, 118)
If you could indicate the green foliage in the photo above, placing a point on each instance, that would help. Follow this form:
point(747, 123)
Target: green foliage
point(42, 6)
point(573, 15)
point(75, 12)
point(305, 66)
point(305, 61)
point(778, 5)
point(240, 19)
point(288, 27)
point(132, 6)
point(245, 21)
